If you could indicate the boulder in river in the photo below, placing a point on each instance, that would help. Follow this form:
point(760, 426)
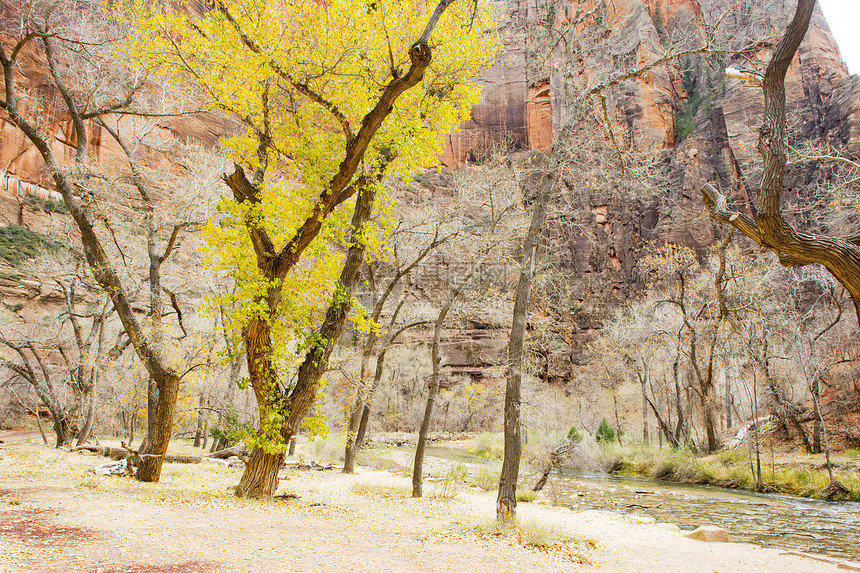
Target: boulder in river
point(709, 533)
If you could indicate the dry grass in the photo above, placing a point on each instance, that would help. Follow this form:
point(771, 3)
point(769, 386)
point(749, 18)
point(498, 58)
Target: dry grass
point(181, 484)
point(382, 491)
point(539, 537)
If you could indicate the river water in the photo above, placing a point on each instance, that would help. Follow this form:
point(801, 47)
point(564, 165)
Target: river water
point(828, 528)
point(815, 526)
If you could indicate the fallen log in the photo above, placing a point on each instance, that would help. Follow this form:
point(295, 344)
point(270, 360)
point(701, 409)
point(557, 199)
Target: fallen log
point(742, 433)
point(123, 453)
point(238, 451)
point(119, 468)
point(106, 451)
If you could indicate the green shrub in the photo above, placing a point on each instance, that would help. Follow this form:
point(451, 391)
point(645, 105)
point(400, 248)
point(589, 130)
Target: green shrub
point(48, 206)
point(605, 433)
point(488, 445)
point(574, 435)
point(18, 244)
point(231, 430)
point(526, 495)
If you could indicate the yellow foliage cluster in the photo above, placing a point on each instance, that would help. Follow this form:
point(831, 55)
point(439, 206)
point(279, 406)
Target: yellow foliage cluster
point(299, 77)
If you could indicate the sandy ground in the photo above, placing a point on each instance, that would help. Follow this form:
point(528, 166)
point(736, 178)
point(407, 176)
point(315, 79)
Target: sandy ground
point(57, 516)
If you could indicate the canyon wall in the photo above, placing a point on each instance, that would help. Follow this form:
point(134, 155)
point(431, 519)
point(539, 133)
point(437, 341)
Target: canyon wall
point(685, 116)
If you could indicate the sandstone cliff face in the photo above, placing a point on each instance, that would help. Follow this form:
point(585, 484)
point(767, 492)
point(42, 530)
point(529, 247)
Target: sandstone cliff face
point(700, 124)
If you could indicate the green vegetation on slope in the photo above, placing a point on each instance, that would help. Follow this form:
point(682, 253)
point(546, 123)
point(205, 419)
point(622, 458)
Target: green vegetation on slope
point(18, 244)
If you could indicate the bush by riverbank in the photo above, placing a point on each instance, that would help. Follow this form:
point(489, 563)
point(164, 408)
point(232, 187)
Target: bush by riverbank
point(799, 475)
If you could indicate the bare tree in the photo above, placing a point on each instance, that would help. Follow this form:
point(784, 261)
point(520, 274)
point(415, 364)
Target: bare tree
point(381, 289)
point(767, 226)
point(94, 85)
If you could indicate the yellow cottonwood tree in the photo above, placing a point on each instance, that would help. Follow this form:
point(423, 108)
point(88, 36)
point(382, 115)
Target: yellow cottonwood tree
point(333, 97)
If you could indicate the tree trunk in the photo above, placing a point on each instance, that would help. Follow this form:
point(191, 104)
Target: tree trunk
point(260, 479)
point(153, 451)
point(816, 416)
point(39, 425)
point(707, 402)
point(418, 468)
point(362, 427)
point(261, 468)
point(642, 383)
point(88, 423)
point(506, 502)
point(62, 431)
point(205, 433)
point(198, 433)
point(352, 437)
point(729, 400)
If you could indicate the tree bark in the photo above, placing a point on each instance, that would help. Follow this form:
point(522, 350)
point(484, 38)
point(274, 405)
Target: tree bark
point(155, 448)
point(260, 478)
point(506, 501)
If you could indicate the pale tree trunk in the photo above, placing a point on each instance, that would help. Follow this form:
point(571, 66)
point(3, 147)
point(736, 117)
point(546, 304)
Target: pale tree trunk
point(643, 379)
point(39, 425)
point(418, 467)
point(433, 391)
point(729, 399)
point(506, 502)
point(816, 416)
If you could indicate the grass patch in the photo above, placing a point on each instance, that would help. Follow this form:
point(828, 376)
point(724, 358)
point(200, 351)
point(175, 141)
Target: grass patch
point(537, 536)
point(488, 476)
point(450, 482)
point(526, 495)
point(804, 477)
point(380, 462)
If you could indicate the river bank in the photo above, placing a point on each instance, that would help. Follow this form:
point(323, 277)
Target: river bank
point(58, 516)
point(787, 473)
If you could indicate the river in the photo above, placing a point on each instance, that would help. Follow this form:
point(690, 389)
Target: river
point(828, 528)
point(815, 526)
